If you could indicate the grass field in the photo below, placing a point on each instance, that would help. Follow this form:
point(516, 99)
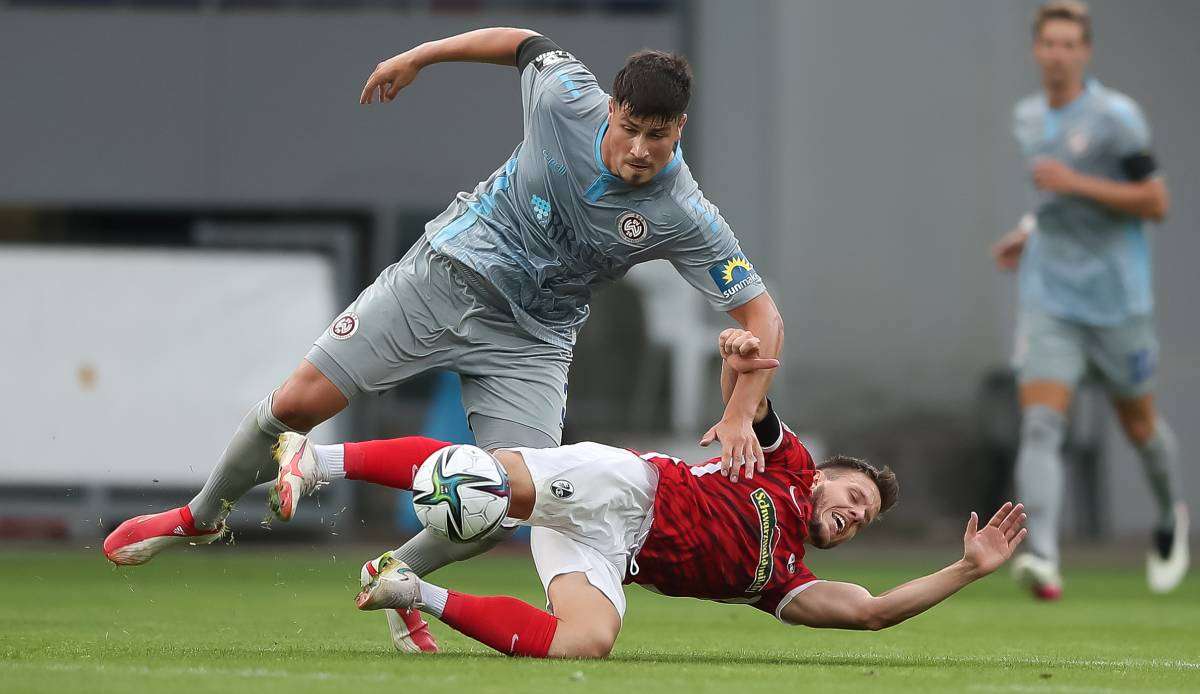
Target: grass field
point(231, 619)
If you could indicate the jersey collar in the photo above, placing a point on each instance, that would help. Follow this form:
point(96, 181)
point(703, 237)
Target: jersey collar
point(612, 182)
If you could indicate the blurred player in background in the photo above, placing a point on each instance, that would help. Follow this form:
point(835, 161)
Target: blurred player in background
point(1085, 290)
point(605, 516)
point(500, 283)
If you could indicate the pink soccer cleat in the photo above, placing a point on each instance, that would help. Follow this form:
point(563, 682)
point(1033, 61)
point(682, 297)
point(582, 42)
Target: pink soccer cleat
point(409, 631)
point(1039, 575)
point(137, 540)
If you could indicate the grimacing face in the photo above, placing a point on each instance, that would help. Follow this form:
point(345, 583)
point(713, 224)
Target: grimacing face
point(636, 149)
point(844, 503)
point(1061, 53)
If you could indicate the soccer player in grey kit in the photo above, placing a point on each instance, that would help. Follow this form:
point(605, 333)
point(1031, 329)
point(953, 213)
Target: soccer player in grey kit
point(499, 285)
point(1085, 290)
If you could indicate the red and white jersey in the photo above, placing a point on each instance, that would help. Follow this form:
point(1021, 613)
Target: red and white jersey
point(733, 542)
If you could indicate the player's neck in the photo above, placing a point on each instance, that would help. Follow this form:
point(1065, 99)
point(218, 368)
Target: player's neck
point(1058, 96)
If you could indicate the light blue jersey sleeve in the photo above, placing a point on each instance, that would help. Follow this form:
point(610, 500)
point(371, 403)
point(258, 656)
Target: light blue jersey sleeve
point(554, 82)
point(710, 258)
point(1130, 131)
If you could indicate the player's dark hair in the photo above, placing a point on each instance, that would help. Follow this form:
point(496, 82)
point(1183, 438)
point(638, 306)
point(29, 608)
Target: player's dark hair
point(885, 480)
point(654, 85)
point(1066, 10)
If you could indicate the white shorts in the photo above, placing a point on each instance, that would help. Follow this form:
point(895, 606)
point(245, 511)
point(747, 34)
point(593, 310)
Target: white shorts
point(593, 507)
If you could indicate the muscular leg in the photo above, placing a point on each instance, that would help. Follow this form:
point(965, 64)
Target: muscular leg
point(305, 399)
point(1039, 473)
point(588, 623)
point(1159, 451)
point(584, 623)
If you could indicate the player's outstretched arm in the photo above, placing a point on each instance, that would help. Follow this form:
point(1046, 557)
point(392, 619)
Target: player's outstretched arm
point(836, 605)
point(740, 450)
point(497, 45)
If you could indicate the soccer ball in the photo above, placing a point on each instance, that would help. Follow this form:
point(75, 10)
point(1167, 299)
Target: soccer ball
point(461, 492)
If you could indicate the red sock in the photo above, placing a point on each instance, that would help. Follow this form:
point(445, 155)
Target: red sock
point(390, 462)
point(506, 624)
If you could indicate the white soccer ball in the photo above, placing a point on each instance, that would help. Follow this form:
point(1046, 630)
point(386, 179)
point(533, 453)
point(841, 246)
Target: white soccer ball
point(461, 492)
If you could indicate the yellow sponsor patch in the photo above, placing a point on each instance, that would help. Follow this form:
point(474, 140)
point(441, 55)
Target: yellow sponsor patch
point(766, 538)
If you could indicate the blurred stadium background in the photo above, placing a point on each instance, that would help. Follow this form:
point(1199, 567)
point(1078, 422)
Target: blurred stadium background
point(190, 192)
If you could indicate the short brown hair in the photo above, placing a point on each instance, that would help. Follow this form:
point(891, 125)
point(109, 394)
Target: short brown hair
point(885, 480)
point(1068, 10)
point(654, 85)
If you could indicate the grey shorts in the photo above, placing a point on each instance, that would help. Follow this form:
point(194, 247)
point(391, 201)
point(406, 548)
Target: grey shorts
point(427, 312)
point(1049, 348)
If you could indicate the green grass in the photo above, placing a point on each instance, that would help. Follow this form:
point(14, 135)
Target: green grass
point(229, 619)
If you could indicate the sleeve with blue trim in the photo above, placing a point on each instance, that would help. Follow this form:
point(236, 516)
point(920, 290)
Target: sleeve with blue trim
point(711, 260)
point(553, 80)
point(1131, 140)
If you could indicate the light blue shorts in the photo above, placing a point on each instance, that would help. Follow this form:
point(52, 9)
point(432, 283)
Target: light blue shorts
point(1050, 348)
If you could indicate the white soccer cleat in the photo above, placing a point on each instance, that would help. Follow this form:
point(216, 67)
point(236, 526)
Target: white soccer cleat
point(1167, 560)
point(297, 474)
point(1039, 575)
point(394, 587)
point(408, 630)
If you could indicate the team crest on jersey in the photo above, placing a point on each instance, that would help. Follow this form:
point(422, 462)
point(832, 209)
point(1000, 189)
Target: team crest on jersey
point(541, 209)
point(632, 226)
point(767, 530)
point(549, 58)
point(562, 489)
point(732, 274)
point(1077, 142)
point(345, 326)
point(791, 565)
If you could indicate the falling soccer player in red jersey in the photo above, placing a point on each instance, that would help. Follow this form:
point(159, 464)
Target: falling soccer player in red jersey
point(605, 516)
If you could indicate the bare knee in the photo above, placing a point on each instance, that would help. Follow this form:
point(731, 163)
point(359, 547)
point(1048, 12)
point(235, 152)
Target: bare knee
point(592, 644)
point(306, 399)
point(1137, 419)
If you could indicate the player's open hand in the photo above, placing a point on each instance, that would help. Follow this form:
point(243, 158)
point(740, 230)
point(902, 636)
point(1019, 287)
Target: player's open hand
point(984, 550)
point(740, 349)
point(1007, 251)
point(389, 78)
point(741, 454)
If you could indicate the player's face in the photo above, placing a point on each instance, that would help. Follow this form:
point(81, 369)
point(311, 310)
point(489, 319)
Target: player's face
point(1061, 53)
point(636, 149)
point(843, 504)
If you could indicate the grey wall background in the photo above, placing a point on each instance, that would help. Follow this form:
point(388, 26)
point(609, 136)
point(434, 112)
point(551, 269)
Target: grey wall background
point(861, 150)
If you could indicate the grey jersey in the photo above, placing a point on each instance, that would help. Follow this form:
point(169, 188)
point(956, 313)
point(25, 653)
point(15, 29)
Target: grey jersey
point(1086, 262)
point(553, 224)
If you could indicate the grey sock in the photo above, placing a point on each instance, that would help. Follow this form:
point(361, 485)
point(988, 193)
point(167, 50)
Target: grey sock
point(1040, 477)
point(1160, 459)
point(427, 551)
point(246, 463)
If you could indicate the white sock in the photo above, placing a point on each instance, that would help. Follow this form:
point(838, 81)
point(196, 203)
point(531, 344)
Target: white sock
point(330, 461)
point(433, 599)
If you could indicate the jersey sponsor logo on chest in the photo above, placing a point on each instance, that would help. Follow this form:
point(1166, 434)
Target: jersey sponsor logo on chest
point(1077, 142)
point(767, 529)
point(553, 164)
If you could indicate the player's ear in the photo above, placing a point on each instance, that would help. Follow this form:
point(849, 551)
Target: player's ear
point(682, 122)
point(612, 108)
point(818, 476)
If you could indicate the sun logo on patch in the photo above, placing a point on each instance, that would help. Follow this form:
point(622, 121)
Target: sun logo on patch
point(732, 274)
point(732, 266)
